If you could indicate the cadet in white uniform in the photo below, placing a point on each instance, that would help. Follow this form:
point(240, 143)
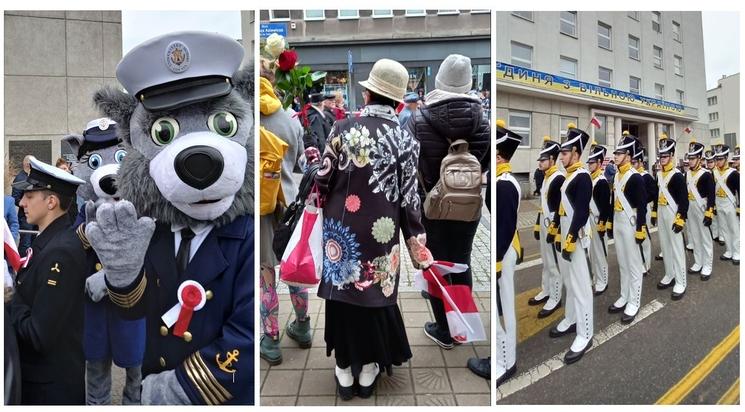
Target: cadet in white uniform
point(600, 213)
point(701, 196)
point(650, 186)
point(728, 204)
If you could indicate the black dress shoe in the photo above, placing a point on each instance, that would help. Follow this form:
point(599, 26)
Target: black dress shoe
point(693, 272)
point(658, 257)
point(645, 274)
point(556, 333)
point(626, 319)
point(600, 292)
point(345, 392)
point(724, 258)
point(508, 374)
point(365, 392)
point(705, 277)
point(481, 367)
point(544, 313)
point(735, 262)
point(721, 242)
point(572, 356)
point(677, 296)
point(663, 286)
point(615, 309)
point(535, 302)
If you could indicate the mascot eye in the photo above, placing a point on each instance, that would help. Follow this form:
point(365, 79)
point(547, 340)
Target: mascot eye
point(164, 130)
point(94, 161)
point(223, 123)
point(119, 155)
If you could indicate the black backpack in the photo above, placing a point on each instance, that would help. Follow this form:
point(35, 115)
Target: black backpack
point(294, 212)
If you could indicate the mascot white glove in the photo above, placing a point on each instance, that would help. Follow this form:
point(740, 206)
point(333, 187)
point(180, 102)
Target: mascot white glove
point(163, 389)
point(95, 286)
point(120, 240)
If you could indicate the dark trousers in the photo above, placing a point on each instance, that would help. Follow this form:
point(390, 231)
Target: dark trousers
point(452, 241)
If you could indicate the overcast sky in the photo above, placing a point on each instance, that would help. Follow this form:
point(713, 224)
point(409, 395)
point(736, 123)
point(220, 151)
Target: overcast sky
point(138, 26)
point(721, 45)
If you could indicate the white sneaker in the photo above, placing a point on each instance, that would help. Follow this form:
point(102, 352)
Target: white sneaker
point(344, 376)
point(368, 374)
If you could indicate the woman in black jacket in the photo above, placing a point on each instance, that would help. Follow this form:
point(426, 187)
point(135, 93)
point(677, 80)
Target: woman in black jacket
point(449, 114)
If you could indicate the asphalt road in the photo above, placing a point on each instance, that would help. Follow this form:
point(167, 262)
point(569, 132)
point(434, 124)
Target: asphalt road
point(642, 363)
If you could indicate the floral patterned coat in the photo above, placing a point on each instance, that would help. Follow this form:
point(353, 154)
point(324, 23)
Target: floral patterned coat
point(368, 177)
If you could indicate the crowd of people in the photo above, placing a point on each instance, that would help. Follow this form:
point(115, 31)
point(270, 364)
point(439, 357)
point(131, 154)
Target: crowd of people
point(693, 206)
point(373, 170)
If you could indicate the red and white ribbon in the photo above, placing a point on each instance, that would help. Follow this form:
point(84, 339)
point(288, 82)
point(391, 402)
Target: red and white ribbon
point(191, 297)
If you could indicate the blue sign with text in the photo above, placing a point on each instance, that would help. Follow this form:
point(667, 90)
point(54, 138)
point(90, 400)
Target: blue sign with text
point(266, 29)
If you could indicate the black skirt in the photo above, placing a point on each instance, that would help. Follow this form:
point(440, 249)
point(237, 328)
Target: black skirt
point(360, 335)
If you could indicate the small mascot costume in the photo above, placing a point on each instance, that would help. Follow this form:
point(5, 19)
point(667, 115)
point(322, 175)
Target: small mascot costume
point(107, 336)
point(187, 263)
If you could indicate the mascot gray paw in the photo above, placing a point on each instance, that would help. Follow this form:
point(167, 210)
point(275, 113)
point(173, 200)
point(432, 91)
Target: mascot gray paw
point(163, 389)
point(95, 286)
point(120, 239)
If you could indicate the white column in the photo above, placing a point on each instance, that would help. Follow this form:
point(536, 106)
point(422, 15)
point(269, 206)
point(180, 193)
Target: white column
point(651, 143)
point(617, 132)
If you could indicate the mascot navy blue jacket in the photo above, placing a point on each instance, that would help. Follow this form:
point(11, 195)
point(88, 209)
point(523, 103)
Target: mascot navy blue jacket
point(178, 248)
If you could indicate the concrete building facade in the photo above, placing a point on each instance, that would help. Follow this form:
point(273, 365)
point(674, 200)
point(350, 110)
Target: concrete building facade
point(329, 40)
point(723, 104)
point(54, 62)
point(636, 71)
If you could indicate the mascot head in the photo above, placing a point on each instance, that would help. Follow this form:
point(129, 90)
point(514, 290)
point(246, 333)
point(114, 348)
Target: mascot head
point(99, 152)
point(187, 124)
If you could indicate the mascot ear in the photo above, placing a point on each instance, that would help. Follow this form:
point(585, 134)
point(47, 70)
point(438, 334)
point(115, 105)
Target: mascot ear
point(74, 141)
point(243, 81)
point(116, 105)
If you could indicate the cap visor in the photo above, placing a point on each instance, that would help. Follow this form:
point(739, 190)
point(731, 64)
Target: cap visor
point(185, 94)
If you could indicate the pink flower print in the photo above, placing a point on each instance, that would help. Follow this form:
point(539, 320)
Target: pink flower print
point(352, 203)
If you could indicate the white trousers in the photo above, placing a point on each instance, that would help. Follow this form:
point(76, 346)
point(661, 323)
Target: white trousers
point(507, 333)
point(673, 248)
point(550, 277)
point(700, 236)
point(576, 277)
point(630, 263)
point(598, 260)
point(729, 227)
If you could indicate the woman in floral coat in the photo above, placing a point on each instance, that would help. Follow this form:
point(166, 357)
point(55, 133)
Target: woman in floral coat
point(368, 178)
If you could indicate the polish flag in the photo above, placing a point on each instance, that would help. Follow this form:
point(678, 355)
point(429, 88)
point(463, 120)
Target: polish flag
point(461, 311)
point(688, 130)
point(9, 246)
point(596, 122)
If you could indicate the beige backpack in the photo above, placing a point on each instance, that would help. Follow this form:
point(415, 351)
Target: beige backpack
point(457, 195)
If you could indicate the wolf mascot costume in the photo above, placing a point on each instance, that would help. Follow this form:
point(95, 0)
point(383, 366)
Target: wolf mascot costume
point(107, 336)
point(187, 263)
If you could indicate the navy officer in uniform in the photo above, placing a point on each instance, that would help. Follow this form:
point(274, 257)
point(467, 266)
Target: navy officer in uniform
point(47, 307)
point(509, 252)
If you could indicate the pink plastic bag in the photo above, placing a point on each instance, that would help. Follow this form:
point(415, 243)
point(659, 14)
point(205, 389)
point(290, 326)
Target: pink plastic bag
point(302, 262)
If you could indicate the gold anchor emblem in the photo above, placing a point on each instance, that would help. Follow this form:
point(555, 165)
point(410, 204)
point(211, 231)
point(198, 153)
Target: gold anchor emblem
point(55, 268)
point(230, 357)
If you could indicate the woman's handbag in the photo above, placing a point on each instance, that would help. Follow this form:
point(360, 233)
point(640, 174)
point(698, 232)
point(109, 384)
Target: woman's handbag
point(293, 213)
point(302, 262)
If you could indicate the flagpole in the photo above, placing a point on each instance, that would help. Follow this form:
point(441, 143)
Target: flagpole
point(450, 301)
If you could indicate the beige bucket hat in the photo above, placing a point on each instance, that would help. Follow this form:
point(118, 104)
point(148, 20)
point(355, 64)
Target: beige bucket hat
point(387, 78)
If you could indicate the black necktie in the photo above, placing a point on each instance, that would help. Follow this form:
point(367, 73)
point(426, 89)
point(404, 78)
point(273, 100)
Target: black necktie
point(182, 257)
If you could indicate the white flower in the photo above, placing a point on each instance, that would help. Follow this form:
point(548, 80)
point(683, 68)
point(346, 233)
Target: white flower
point(275, 45)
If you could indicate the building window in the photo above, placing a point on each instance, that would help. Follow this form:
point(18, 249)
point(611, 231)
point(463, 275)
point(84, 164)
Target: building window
point(568, 23)
point(600, 134)
point(527, 15)
point(714, 133)
point(568, 67)
point(604, 76)
point(678, 65)
point(564, 121)
point(634, 15)
point(279, 15)
point(633, 47)
point(676, 31)
point(657, 56)
point(382, 14)
point(522, 55)
point(680, 94)
point(519, 122)
point(635, 85)
point(659, 91)
point(416, 13)
point(656, 26)
point(711, 100)
point(310, 15)
point(349, 14)
point(604, 36)
point(713, 116)
point(441, 12)
point(730, 139)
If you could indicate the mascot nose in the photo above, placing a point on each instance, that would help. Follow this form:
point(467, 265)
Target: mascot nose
point(199, 166)
point(108, 184)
